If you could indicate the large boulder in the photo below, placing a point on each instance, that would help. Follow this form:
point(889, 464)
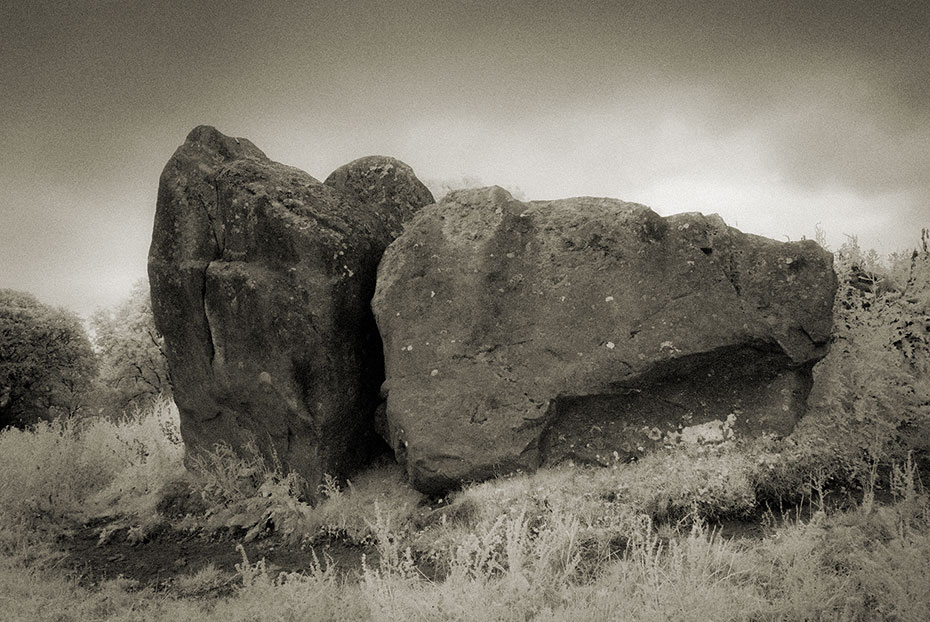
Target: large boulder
point(524, 334)
point(261, 280)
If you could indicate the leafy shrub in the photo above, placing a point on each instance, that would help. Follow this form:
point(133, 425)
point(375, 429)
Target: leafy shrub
point(226, 476)
point(243, 490)
point(377, 496)
point(73, 467)
point(46, 361)
point(871, 398)
point(152, 455)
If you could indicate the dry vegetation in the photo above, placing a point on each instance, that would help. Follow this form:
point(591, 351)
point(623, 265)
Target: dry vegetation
point(832, 522)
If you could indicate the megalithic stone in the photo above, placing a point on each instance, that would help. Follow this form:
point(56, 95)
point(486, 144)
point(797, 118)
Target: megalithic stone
point(586, 329)
point(261, 280)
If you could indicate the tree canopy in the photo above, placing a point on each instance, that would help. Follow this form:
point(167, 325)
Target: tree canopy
point(133, 369)
point(46, 361)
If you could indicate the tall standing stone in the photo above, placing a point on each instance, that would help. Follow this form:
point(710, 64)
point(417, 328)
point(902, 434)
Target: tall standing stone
point(261, 280)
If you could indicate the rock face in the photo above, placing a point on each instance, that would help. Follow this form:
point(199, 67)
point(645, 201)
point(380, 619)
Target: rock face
point(384, 182)
point(261, 280)
point(523, 334)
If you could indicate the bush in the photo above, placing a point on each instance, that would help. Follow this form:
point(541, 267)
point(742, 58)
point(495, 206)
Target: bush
point(871, 398)
point(46, 361)
point(242, 490)
point(79, 468)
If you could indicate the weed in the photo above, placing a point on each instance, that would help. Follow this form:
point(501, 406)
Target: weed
point(67, 468)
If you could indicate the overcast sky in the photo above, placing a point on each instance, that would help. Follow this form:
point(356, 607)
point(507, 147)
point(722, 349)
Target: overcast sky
point(776, 115)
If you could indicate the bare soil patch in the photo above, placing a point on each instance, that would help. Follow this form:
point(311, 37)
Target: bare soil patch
point(167, 554)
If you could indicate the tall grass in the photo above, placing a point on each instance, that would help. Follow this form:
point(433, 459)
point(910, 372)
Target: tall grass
point(635, 542)
point(561, 544)
point(864, 564)
point(78, 468)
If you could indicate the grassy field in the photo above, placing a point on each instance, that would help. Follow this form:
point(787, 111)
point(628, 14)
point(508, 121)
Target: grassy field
point(101, 521)
point(651, 540)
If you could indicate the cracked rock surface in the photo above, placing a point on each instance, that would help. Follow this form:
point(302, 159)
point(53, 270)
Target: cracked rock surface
point(588, 329)
point(261, 280)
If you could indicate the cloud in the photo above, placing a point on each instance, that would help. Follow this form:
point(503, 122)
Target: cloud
point(778, 115)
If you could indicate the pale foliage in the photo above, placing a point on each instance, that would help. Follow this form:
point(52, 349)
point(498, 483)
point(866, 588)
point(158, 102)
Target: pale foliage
point(133, 368)
point(79, 467)
point(441, 187)
point(557, 545)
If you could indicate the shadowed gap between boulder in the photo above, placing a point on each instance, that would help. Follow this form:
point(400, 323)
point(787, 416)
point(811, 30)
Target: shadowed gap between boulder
point(732, 392)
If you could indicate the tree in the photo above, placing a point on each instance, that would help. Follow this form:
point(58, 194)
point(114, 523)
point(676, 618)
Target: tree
point(441, 187)
point(875, 382)
point(133, 369)
point(46, 361)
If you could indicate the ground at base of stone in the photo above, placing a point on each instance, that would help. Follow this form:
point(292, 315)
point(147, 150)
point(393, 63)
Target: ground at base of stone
point(166, 555)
